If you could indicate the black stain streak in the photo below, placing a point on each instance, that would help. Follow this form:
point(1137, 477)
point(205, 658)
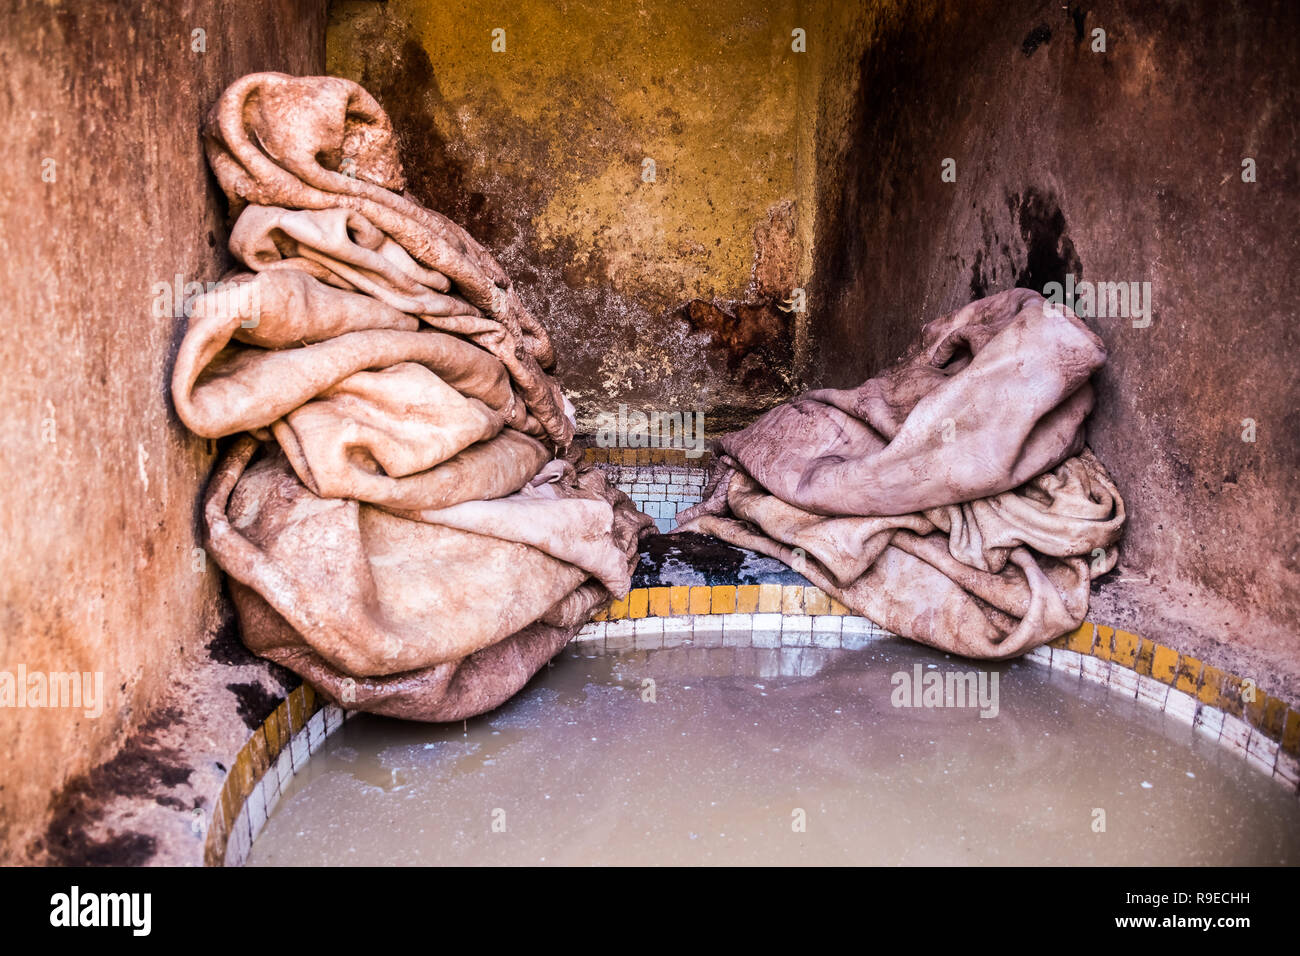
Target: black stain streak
point(1078, 15)
point(1042, 253)
point(978, 284)
point(1049, 250)
point(1036, 38)
point(255, 702)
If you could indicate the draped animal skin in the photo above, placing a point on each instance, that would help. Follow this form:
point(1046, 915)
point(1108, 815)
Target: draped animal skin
point(401, 521)
point(951, 499)
point(323, 143)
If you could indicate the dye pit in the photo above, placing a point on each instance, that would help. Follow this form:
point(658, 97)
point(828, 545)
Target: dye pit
point(740, 746)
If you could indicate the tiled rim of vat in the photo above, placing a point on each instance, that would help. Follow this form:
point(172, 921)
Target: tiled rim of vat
point(1264, 731)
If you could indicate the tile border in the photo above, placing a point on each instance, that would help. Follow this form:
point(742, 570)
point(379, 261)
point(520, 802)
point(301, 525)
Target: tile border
point(261, 772)
point(1261, 729)
point(632, 457)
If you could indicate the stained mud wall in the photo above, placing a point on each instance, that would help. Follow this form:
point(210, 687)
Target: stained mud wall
point(107, 195)
point(535, 125)
point(1122, 165)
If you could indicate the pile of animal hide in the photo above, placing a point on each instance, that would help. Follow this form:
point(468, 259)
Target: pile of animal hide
point(950, 499)
point(402, 523)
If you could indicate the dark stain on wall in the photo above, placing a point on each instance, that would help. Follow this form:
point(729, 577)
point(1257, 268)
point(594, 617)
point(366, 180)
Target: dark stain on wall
point(1035, 38)
point(143, 768)
point(434, 176)
point(1049, 253)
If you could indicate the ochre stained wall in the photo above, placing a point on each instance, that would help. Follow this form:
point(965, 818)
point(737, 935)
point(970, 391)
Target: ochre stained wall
point(664, 293)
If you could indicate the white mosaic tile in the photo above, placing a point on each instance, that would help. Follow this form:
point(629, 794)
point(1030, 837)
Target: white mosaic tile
point(737, 629)
point(1041, 654)
point(284, 768)
point(648, 625)
point(1181, 706)
point(1123, 681)
point(1151, 691)
point(677, 631)
point(299, 751)
point(648, 634)
point(1209, 722)
point(1067, 661)
point(622, 628)
point(796, 630)
point(1236, 733)
point(852, 624)
point(1261, 751)
point(1095, 669)
point(826, 630)
point(256, 806)
point(707, 631)
point(1287, 769)
point(333, 718)
point(316, 731)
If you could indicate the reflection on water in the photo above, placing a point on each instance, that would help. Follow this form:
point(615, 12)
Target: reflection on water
point(790, 756)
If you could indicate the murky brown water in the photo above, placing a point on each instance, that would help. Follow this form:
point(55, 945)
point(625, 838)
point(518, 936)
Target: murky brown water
point(730, 757)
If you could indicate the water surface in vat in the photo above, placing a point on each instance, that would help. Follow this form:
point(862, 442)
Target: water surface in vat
point(719, 769)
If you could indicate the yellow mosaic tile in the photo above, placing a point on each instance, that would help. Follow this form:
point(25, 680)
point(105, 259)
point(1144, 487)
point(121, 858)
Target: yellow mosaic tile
point(1102, 647)
point(258, 752)
point(1164, 663)
point(1211, 689)
point(816, 601)
point(1230, 699)
point(701, 599)
point(242, 775)
point(1080, 639)
point(286, 731)
point(747, 599)
point(1146, 651)
point(601, 615)
point(1274, 717)
point(1059, 642)
point(271, 730)
point(617, 609)
point(1291, 733)
point(1255, 708)
point(309, 702)
point(229, 804)
point(659, 602)
point(214, 850)
point(724, 599)
point(679, 599)
point(1189, 674)
point(838, 608)
point(792, 599)
point(1124, 648)
point(638, 602)
point(296, 718)
point(769, 598)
